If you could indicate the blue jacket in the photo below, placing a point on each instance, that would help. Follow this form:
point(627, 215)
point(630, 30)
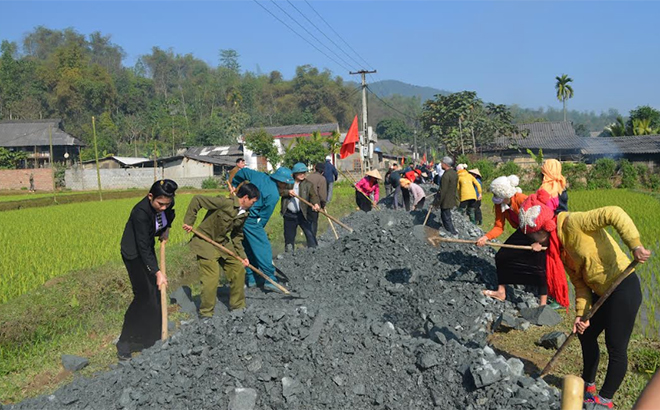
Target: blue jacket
point(268, 198)
point(330, 172)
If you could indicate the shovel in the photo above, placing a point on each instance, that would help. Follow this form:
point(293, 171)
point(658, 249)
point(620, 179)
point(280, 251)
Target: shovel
point(163, 294)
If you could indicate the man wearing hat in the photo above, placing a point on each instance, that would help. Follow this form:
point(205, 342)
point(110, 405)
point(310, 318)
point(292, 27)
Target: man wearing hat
point(445, 199)
point(330, 174)
point(256, 244)
point(296, 212)
point(367, 188)
point(321, 186)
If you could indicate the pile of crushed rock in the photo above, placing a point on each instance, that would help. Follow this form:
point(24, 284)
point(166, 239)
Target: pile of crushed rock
point(378, 319)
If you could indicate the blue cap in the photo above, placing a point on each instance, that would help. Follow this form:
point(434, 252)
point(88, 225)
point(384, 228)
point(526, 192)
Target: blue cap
point(283, 174)
point(298, 168)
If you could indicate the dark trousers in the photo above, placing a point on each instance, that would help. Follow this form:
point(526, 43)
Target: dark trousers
point(468, 208)
point(362, 202)
point(142, 320)
point(445, 215)
point(313, 218)
point(478, 218)
point(420, 204)
point(617, 318)
point(400, 193)
point(291, 223)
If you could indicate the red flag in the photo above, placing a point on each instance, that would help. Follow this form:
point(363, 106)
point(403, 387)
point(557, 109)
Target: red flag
point(348, 146)
point(424, 159)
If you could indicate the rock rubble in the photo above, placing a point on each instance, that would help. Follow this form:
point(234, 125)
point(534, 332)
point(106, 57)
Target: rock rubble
point(378, 319)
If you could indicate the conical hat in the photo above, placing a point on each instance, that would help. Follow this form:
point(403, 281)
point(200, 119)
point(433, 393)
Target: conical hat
point(374, 173)
point(475, 171)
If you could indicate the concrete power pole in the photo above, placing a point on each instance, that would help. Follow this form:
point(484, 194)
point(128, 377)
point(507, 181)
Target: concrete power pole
point(365, 139)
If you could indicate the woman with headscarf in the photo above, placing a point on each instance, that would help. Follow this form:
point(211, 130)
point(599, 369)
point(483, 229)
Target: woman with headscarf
point(367, 188)
point(594, 261)
point(554, 183)
point(514, 266)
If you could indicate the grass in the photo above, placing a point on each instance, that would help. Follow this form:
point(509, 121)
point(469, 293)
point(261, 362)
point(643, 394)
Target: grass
point(644, 349)
point(81, 312)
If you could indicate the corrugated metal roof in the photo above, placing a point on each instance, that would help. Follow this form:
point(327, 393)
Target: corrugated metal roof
point(34, 133)
point(218, 155)
point(293, 131)
point(543, 135)
point(642, 144)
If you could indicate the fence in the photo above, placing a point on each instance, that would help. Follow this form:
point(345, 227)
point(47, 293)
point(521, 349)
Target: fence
point(125, 178)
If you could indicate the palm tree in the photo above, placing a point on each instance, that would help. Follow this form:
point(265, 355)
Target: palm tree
point(642, 126)
point(564, 90)
point(618, 128)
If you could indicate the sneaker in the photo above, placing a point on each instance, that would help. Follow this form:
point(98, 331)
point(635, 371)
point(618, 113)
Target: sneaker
point(598, 403)
point(556, 306)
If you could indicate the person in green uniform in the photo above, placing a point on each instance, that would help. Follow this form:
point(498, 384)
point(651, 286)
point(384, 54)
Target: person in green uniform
point(223, 223)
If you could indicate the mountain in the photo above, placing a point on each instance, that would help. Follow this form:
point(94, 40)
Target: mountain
point(387, 88)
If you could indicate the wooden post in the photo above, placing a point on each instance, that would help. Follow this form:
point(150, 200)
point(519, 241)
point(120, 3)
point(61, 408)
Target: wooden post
point(163, 294)
point(52, 163)
point(96, 154)
point(572, 393)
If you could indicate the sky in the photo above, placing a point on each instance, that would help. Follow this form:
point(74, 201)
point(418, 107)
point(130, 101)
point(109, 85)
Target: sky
point(508, 52)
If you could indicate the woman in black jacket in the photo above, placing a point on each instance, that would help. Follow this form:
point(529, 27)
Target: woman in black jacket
point(151, 217)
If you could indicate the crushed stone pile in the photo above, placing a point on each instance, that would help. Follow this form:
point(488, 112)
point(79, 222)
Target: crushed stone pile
point(378, 319)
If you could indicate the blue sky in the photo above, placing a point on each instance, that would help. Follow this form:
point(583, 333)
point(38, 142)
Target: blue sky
point(509, 52)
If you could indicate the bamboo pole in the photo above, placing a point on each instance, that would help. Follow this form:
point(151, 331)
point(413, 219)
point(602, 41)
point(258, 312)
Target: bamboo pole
point(359, 190)
point(589, 315)
point(163, 294)
point(494, 244)
point(330, 217)
point(96, 154)
point(233, 255)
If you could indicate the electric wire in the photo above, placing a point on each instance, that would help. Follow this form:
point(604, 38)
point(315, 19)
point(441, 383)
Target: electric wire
point(298, 34)
point(312, 35)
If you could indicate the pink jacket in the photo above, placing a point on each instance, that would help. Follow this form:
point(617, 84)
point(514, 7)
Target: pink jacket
point(368, 188)
point(417, 193)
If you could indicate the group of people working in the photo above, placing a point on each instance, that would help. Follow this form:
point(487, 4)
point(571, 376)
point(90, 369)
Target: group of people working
point(560, 241)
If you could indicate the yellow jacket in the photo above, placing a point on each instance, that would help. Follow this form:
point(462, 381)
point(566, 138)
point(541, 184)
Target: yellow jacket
point(466, 186)
point(592, 258)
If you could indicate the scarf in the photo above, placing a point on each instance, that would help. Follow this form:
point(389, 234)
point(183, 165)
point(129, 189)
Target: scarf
point(555, 275)
point(554, 182)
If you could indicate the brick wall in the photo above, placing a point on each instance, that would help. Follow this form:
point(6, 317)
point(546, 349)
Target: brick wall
point(20, 178)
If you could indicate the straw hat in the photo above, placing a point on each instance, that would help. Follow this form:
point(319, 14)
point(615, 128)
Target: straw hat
point(475, 171)
point(374, 173)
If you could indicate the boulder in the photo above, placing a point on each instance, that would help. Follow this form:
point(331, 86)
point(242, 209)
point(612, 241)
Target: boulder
point(552, 340)
point(74, 363)
point(541, 316)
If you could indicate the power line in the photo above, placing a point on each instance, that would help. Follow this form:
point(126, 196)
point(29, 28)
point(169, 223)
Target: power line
point(325, 35)
point(392, 107)
point(312, 35)
point(298, 34)
point(338, 35)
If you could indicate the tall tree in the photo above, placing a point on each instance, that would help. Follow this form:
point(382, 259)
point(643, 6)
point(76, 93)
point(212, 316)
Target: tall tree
point(564, 90)
point(229, 59)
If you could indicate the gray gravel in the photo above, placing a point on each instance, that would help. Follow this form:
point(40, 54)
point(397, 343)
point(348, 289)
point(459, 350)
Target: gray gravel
point(380, 319)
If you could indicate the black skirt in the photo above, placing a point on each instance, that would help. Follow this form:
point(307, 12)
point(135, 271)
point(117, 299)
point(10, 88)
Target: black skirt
point(521, 267)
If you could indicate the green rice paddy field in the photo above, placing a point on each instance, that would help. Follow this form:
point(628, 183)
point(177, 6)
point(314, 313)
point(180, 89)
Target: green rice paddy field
point(38, 244)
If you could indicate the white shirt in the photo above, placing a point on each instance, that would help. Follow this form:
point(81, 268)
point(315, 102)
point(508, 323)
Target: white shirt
point(294, 203)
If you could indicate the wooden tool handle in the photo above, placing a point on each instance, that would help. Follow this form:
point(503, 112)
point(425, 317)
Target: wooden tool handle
point(333, 227)
point(332, 218)
point(572, 393)
point(163, 295)
point(428, 214)
point(494, 244)
point(232, 254)
point(589, 315)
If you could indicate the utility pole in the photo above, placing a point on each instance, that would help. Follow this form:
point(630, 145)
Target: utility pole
point(365, 139)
